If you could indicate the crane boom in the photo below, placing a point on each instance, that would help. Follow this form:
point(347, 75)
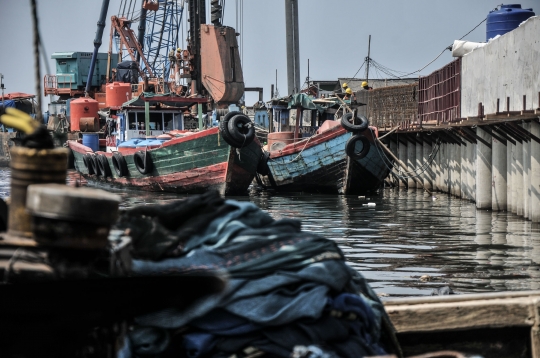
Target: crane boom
point(97, 44)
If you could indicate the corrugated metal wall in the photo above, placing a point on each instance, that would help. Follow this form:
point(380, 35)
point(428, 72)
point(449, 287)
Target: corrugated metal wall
point(439, 94)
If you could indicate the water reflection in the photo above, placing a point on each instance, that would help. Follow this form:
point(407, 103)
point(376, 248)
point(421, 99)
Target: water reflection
point(405, 236)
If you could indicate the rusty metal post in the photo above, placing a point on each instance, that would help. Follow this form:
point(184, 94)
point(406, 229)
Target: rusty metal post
point(480, 110)
point(507, 104)
point(524, 102)
point(498, 103)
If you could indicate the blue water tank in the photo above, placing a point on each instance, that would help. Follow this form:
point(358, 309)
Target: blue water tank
point(504, 20)
point(91, 140)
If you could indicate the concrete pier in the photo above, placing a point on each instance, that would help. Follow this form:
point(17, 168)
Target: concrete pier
point(428, 173)
point(535, 173)
point(471, 176)
point(498, 175)
point(451, 168)
point(464, 171)
point(509, 176)
point(518, 180)
point(411, 163)
point(526, 172)
point(419, 155)
point(402, 155)
point(437, 168)
point(445, 164)
point(457, 170)
point(483, 170)
point(514, 178)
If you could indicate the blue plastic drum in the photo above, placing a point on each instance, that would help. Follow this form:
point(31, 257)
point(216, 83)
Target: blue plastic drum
point(91, 140)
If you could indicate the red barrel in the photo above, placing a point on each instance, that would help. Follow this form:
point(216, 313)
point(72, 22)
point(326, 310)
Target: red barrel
point(117, 94)
point(82, 107)
point(285, 137)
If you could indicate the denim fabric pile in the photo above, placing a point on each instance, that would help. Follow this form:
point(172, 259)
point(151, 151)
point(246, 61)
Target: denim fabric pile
point(289, 292)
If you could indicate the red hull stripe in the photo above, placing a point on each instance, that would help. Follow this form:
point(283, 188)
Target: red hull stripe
point(200, 177)
point(311, 142)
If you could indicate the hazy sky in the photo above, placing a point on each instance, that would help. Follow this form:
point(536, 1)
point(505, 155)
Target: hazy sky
point(405, 35)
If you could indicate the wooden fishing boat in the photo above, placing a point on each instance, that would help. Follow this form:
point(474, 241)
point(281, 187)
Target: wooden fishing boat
point(502, 324)
point(193, 162)
point(334, 159)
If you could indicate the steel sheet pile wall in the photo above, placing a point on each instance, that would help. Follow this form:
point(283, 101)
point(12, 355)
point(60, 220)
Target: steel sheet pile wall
point(439, 94)
point(392, 106)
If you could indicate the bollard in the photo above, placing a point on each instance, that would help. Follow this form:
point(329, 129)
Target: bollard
point(32, 166)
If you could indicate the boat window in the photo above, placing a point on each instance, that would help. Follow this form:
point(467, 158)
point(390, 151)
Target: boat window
point(132, 120)
point(168, 121)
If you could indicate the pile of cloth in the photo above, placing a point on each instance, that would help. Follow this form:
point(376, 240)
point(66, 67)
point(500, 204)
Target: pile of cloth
point(290, 293)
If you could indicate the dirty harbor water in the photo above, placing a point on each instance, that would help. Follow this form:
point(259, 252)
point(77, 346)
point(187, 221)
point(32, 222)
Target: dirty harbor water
point(409, 243)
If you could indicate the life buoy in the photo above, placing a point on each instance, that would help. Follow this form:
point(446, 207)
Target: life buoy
point(103, 164)
point(89, 163)
point(119, 164)
point(143, 162)
point(262, 166)
point(351, 127)
point(241, 129)
point(357, 146)
point(224, 130)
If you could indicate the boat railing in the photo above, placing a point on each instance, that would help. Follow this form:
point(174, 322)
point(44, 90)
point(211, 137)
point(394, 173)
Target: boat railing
point(51, 84)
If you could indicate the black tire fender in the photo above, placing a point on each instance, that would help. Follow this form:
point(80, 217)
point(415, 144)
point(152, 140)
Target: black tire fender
point(241, 129)
point(104, 166)
point(262, 166)
point(119, 164)
point(95, 164)
point(89, 163)
point(351, 147)
point(351, 127)
point(143, 162)
point(224, 130)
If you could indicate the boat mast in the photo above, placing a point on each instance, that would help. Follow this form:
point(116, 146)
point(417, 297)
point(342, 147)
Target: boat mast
point(368, 59)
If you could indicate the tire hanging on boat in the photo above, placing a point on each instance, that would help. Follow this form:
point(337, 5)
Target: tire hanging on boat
point(224, 130)
point(103, 164)
point(88, 163)
point(262, 166)
point(95, 165)
point(352, 147)
point(71, 160)
point(119, 164)
point(143, 162)
point(241, 129)
point(351, 127)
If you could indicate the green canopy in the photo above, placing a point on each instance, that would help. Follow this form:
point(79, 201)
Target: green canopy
point(304, 101)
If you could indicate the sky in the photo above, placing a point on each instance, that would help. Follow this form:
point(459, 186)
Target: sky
point(405, 36)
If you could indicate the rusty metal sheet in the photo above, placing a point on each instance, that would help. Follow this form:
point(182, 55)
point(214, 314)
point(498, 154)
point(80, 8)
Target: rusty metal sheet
point(439, 94)
point(221, 71)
